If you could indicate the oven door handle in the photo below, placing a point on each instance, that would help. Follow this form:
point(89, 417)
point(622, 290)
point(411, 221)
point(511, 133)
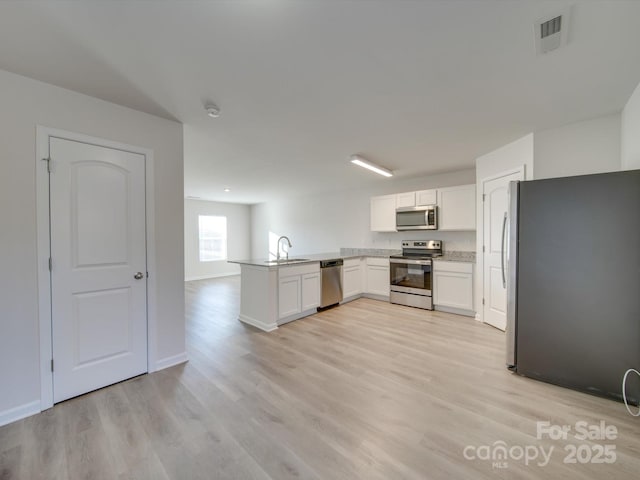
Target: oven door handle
point(409, 262)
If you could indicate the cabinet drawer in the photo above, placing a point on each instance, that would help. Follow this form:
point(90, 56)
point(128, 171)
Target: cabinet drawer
point(379, 261)
point(455, 267)
point(351, 262)
point(298, 269)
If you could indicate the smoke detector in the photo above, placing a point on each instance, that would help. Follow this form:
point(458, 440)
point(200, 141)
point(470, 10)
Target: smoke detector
point(212, 110)
point(552, 31)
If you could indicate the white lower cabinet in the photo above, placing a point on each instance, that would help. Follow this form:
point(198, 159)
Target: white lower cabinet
point(453, 286)
point(289, 295)
point(377, 276)
point(298, 291)
point(352, 278)
point(310, 291)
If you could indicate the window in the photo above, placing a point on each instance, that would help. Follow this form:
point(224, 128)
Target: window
point(213, 238)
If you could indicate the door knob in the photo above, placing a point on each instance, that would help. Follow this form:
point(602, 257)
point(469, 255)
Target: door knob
point(139, 276)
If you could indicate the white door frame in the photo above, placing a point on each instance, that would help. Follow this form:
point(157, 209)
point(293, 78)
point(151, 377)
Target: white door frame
point(480, 234)
point(43, 248)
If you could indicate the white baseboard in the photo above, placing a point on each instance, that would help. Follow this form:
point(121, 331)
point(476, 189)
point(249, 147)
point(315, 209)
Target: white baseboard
point(171, 361)
point(297, 316)
point(351, 298)
point(375, 296)
point(457, 311)
point(19, 412)
point(254, 322)
point(214, 275)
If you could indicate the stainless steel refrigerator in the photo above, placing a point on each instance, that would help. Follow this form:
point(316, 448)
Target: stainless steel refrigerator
point(573, 281)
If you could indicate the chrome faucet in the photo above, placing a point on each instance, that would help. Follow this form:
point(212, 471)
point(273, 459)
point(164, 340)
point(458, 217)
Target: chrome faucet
point(290, 246)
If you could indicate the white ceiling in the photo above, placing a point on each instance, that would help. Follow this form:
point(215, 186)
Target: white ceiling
point(419, 87)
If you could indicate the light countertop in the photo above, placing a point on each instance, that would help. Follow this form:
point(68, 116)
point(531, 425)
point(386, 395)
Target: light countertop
point(345, 253)
point(458, 256)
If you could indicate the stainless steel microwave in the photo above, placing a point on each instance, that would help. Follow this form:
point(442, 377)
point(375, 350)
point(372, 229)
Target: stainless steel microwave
point(417, 218)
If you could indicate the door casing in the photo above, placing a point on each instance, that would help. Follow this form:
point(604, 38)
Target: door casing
point(43, 249)
point(480, 236)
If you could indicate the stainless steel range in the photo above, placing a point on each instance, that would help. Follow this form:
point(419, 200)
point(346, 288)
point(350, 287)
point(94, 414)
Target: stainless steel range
point(411, 273)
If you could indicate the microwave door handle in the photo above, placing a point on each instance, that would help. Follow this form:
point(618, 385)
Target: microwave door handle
point(504, 229)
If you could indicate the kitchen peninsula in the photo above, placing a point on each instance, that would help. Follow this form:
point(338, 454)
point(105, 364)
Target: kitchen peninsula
point(276, 292)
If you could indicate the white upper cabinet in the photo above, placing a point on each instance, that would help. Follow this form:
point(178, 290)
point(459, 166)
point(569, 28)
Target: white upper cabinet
point(383, 213)
point(457, 208)
point(416, 199)
point(426, 197)
point(407, 199)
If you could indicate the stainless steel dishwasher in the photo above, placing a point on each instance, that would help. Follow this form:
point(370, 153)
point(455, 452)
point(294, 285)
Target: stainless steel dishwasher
point(330, 282)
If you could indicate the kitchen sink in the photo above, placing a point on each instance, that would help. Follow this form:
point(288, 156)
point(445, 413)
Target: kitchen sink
point(284, 261)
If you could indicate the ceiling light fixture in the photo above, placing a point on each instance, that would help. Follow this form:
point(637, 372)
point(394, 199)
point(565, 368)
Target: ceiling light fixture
point(212, 110)
point(227, 190)
point(362, 162)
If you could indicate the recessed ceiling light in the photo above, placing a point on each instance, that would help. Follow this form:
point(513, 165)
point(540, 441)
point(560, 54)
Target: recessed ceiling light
point(362, 162)
point(227, 190)
point(212, 110)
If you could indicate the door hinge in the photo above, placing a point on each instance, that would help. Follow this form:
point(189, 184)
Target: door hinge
point(147, 274)
point(52, 364)
point(50, 264)
point(483, 248)
point(483, 196)
point(483, 301)
point(48, 160)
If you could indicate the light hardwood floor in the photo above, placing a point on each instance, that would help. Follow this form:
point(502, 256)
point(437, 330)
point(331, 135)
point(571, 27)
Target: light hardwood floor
point(368, 390)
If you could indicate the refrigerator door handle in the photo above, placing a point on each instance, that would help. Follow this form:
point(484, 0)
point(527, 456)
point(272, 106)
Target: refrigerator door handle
point(504, 229)
point(512, 286)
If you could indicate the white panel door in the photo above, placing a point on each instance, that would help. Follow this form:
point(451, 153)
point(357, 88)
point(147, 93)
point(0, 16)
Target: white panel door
point(98, 248)
point(495, 209)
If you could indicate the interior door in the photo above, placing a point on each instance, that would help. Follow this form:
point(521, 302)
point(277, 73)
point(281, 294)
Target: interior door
point(495, 195)
point(98, 275)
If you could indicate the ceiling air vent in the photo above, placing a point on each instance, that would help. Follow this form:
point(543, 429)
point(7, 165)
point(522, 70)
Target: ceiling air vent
point(550, 27)
point(551, 32)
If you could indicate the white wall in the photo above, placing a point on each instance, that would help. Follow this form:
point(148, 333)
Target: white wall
point(25, 104)
point(327, 222)
point(630, 135)
point(504, 159)
point(590, 146)
point(238, 238)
